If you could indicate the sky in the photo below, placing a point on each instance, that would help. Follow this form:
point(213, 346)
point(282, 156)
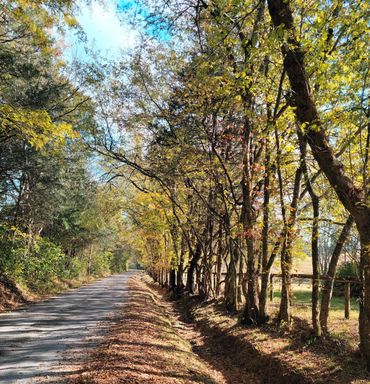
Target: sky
point(107, 29)
point(104, 30)
point(108, 32)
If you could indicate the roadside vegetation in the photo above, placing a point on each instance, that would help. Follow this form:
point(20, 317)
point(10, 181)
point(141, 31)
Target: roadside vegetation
point(246, 137)
point(58, 223)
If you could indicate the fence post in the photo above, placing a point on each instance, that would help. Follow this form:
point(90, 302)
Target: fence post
point(347, 299)
point(271, 287)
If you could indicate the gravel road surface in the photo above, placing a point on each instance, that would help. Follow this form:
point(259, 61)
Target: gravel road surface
point(46, 340)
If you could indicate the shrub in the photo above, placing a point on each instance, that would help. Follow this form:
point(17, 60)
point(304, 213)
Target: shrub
point(13, 245)
point(100, 263)
point(347, 270)
point(44, 264)
point(34, 262)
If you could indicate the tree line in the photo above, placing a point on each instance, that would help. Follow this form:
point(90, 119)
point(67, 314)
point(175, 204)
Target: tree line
point(57, 221)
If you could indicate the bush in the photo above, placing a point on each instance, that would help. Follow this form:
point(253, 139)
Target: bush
point(37, 262)
point(13, 245)
point(76, 266)
point(100, 264)
point(33, 262)
point(44, 264)
point(347, 270)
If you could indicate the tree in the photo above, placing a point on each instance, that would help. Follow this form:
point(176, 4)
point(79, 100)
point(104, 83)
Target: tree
point(354, 199)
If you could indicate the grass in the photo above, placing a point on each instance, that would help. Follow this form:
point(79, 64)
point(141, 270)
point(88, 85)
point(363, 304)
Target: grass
point(340, 327)
point(302, 297)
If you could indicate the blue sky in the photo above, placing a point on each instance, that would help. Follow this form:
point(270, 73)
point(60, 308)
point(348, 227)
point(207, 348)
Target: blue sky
point(104, 30)
point(107, 28)
point(158, 27)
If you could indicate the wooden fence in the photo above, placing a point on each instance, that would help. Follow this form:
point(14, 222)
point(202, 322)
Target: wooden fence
point(346, 282)
point(347, 287)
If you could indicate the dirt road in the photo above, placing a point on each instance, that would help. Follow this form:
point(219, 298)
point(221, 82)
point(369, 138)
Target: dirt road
point(38, 342)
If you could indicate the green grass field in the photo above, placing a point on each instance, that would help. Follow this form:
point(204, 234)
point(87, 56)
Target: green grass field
point(302, 297)
point(339, 326)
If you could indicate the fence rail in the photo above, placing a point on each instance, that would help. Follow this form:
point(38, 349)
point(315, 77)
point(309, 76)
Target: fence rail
point(347, 286)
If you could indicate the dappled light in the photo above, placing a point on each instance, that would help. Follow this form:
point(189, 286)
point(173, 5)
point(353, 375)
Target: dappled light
point(145, 348)
point(33, 338)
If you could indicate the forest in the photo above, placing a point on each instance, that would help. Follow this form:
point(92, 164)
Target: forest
point(229, 146)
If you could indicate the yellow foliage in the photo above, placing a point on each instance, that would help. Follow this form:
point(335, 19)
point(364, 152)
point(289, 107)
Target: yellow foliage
point(34, 126)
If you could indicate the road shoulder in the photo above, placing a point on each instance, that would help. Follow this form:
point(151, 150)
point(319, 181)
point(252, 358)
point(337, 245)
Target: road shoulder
point(147, 345)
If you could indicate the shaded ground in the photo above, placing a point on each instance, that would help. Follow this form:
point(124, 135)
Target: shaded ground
point(148, 346)
point(234, 365)
point(277, 355)
point(159, 341)
point(344, 331)
point(34, 338)
point(10, 295)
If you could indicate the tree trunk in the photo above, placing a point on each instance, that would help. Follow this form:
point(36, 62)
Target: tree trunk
point(206, 278)
point(240, 280)
point(172, 280)
point(219, 261)
point(314, 240)
point(351, 197)
point(248, 218)
point(286, 283)
point(230, 292)
point(251, 311)
point(180, 271)
point(364, 324)
point(315, 267)
point(265, 231)
point(286, 253)
point(192, 267)
point(266, 277)
point(327, 289)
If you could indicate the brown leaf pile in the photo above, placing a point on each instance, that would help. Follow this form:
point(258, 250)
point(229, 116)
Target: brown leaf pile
point(146, 347)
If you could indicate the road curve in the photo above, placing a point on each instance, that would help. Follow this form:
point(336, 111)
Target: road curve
point(34, 339)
